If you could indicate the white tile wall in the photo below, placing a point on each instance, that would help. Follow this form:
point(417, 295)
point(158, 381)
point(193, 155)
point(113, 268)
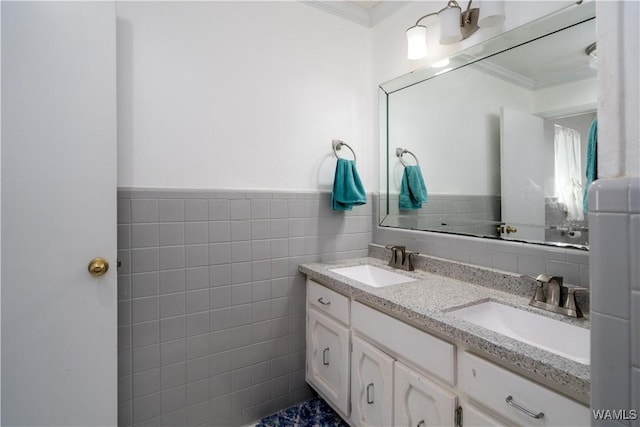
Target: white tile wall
point(615, 318)
point(635, 394)
point(611, 233)
point(211, 306)
point(635, 330)
point(610, 362)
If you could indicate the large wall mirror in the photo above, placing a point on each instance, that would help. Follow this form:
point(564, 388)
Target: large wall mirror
point(501, 135)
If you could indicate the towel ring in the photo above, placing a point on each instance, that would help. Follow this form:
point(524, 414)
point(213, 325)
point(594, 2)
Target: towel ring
point(401, 151)
point(337, 145)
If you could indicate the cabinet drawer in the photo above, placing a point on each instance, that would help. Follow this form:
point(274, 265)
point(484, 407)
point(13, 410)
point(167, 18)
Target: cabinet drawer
point(328, 301)
point(473, 417)
point(491, 386)
point(422, 350)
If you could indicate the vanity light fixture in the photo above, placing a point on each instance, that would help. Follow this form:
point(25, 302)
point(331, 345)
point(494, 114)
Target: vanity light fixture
point(455, 25)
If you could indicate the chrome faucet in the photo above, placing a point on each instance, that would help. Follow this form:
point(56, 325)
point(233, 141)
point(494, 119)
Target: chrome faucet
point(553, 299)
point(400, 257)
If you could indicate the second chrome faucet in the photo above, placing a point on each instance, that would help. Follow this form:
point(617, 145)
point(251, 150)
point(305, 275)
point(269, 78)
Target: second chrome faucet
point(558, 298)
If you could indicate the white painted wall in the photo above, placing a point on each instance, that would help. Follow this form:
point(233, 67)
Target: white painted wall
point(566, 97)
point(240, 95)
point(618, 70)
point(458, 153)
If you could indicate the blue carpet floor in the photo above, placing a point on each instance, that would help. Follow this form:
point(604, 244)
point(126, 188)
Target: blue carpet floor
point(312, 413)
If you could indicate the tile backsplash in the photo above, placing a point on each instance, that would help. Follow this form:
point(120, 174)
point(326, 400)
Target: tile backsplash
point(510, 256)
point(211, 308)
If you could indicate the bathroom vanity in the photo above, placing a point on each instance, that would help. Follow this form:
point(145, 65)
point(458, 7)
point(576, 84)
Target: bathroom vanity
point(395, 355)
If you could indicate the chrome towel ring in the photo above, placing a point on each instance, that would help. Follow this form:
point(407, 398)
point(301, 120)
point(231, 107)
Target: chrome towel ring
point(401, 151)
point(337, 145)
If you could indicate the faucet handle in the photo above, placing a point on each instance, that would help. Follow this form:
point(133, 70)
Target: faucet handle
point(409, 262)
point(540, 296)
point(395, 261)
point(570, 303)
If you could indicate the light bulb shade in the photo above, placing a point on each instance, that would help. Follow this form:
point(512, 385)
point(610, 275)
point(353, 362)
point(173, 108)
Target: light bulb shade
point(491, 13)
point(450, 25)
point(593, 59)
point(417, 42)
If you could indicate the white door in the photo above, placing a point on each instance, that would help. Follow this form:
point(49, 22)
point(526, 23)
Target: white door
point(328, 358)
point(522, 175)
point(371, 385)
point(58, 212)
point(419, 402)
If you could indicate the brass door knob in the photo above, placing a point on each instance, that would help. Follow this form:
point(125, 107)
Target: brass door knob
point(511, 229)
point(98, 267)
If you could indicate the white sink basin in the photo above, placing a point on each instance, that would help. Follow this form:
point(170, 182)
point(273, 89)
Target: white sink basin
point(373, 276)
point(549, 334)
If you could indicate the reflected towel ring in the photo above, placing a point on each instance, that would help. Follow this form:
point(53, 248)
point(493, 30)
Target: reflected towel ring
point(337, 145)
point(401, 151)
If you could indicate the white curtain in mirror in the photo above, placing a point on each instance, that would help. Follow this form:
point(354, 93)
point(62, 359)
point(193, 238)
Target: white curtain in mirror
point(568, 171)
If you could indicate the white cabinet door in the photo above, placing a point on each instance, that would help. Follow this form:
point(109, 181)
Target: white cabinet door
point(371, 385)
point(419, 402)
point(328, 358)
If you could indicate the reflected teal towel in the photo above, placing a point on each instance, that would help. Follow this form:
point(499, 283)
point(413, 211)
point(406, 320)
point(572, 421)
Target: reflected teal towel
point(592, 163)
point(413, 190)
point(347, 187)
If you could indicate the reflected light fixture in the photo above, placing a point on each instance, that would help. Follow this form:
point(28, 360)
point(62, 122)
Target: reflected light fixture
point(455, 25)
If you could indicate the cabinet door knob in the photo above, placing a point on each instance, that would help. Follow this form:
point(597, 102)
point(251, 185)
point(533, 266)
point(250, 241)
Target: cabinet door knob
point(370, 393)
point(323, 302)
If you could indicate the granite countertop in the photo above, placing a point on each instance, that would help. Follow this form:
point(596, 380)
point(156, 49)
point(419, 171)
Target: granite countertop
point(426, 301)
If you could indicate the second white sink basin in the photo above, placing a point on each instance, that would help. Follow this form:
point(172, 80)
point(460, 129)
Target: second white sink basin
point(558, 337)
point(373, 276)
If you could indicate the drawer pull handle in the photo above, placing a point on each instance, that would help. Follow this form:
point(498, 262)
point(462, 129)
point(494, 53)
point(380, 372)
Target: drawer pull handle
point(420, 423)
point(369, 397)
point(323, 302)
point(510, 402)
point(325, 356)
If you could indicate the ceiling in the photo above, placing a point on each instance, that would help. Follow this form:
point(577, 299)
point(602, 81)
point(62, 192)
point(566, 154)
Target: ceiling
point(555, 59)
point(366, 4)
point(363, 12)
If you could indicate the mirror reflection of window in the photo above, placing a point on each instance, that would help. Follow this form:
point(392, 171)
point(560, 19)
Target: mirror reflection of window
point(568, 171)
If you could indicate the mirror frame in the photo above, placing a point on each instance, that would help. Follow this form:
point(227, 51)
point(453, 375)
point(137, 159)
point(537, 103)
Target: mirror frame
point(554, 22)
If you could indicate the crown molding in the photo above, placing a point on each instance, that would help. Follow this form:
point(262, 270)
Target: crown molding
point(359, 15)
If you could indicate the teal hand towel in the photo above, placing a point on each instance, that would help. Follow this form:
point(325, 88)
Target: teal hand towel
point(347, 187)
point(413, 190)
point(592, 163)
